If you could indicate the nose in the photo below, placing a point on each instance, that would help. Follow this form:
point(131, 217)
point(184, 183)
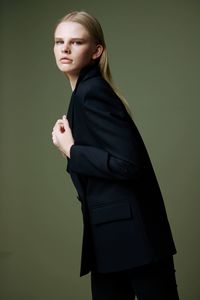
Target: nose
point(66, 48)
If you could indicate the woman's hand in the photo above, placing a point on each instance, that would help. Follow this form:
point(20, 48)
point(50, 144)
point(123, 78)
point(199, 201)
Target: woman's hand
point(62, 136)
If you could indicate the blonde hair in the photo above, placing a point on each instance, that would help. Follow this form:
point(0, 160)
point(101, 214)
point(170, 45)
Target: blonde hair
point(92, 25)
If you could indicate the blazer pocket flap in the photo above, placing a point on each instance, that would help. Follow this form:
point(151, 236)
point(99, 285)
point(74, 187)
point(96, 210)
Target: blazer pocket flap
point(110, 213)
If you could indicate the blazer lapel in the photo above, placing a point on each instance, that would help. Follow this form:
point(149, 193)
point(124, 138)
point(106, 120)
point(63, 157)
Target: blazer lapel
point(70, 114)
point(87, 72)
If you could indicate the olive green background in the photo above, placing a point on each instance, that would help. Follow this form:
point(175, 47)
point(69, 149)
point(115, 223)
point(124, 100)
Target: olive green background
point(154, 51)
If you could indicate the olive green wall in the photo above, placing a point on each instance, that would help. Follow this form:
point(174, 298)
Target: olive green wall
point(154, 51)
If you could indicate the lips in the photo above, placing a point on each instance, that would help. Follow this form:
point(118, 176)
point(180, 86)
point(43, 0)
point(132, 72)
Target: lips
point(65, 60)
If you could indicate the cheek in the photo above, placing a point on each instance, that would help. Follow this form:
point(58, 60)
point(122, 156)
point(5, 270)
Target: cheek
point(55, 51)
point(86, 55)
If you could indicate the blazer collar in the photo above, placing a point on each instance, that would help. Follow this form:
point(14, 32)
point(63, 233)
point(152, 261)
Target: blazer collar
point(88, 72)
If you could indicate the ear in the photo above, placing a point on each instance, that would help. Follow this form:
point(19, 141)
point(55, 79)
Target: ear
point(98, 51)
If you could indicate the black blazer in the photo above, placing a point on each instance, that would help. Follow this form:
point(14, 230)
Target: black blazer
point(125, 222)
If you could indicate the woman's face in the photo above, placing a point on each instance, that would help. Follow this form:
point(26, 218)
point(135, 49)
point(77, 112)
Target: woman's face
point(73, 48)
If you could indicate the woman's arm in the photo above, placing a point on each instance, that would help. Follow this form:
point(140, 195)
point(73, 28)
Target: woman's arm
point(96, 162)
point(118, 157)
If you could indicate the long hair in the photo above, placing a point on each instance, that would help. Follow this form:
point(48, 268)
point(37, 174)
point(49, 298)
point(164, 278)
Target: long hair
point(94, 28)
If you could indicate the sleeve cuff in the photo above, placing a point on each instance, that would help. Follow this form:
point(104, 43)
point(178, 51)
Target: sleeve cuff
point(71, 151)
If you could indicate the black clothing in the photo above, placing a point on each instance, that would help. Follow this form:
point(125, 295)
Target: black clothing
point(125, 222)
point(155, 281)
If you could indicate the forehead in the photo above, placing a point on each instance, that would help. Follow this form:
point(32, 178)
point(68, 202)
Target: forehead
point(71, 29)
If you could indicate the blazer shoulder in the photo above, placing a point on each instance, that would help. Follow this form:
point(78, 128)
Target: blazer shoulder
point(92, 83)
point(99, 90)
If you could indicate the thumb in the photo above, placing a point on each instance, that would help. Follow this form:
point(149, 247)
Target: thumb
point(65, 121)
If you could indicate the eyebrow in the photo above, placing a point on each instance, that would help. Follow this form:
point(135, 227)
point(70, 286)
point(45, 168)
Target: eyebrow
point(74, 38)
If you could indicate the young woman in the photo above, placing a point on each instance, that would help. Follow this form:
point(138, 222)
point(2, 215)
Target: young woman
point(127, 242)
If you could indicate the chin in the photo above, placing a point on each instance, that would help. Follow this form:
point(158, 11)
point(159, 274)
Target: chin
point(64, 69)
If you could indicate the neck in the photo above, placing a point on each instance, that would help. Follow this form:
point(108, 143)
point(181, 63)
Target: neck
point(73, 80)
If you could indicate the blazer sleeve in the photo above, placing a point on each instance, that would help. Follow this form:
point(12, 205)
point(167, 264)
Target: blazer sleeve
point(117, 155)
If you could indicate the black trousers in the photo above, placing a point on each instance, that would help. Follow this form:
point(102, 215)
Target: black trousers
point(155, 281)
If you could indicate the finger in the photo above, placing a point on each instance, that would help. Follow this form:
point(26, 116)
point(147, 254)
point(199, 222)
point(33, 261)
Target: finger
point(59, 121)
point(65, 120)
point(58, 125)
point(53, 137)
point(54, 140)
point(66, 123)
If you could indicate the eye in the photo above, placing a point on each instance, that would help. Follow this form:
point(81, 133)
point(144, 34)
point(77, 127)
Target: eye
point(58, 42)
point(76, 42)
